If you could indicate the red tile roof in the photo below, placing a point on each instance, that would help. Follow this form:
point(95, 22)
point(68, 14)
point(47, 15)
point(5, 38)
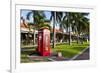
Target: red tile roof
point(23, 25)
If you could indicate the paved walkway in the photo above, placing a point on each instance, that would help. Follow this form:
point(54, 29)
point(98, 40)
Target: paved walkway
point(84, 56)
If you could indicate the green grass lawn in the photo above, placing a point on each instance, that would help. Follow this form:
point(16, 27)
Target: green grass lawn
point(70, 50)
point(67, 51)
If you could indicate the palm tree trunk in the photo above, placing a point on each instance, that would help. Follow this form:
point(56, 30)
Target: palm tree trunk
point(34, 38)
point(81, 39)
point(70, 35)
point(69, 30)
point(63, 37)
point(54, 33)
point(34, 29)
point(77, 39)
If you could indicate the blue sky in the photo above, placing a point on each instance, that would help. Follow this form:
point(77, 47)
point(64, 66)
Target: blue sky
point(25, 12)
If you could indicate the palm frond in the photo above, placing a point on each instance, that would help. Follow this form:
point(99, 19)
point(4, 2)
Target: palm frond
point(28, 15)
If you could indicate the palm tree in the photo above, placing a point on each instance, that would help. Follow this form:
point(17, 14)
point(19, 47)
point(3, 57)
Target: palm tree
point(32, 12)
point(56, 18)
point(62, 23)
point(67, 21)
point(38, 19)
point(76, 22)
point(81, 24)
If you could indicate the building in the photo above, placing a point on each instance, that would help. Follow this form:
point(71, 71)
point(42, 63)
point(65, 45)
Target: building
point(29, 34)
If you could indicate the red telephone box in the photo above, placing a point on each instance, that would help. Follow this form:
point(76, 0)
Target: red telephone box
point(44, 41)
